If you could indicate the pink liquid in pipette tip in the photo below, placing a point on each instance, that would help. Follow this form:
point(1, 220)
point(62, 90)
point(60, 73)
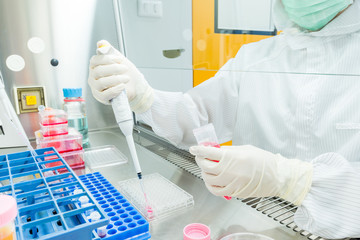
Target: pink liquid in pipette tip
point(148, 208)
point(212, 144)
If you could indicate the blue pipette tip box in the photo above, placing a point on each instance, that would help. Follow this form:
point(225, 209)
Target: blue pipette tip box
point(125, 221)
point(47, 208)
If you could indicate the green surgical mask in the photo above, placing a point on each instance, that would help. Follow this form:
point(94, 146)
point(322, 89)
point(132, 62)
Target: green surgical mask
point(314, 14)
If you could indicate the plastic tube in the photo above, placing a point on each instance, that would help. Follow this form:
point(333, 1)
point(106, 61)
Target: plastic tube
point(122, 112)
point(95, 216)
point(206, 136)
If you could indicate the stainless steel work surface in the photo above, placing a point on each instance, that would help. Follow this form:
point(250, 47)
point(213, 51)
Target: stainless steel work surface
point(222, 216)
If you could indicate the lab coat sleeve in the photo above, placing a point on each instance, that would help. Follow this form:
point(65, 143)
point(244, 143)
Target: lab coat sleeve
point(332, 207)
point(174, 115)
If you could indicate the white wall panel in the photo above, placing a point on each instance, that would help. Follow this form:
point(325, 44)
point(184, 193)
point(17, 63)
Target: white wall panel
point(145, 38)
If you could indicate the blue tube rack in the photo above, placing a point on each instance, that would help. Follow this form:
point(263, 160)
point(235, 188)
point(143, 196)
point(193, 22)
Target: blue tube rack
point(125, 221)
point(47, 208)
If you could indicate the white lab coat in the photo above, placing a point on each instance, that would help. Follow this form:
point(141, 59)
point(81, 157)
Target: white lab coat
point(297, 94)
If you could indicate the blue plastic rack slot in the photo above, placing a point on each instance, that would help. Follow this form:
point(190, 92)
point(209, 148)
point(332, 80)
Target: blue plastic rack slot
point(125, 221)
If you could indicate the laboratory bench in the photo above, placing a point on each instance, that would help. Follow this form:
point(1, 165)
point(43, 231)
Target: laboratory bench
point(269, 216)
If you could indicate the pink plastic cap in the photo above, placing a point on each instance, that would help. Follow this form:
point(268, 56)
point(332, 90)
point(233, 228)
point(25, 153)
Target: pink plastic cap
point(196, 231)
point(8, 209)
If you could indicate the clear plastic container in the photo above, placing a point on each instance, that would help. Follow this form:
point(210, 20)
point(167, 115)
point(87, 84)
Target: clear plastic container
point(74, 106)
point(104, 156)
point(62, 143)
point(8, 212)
point(74, 159)
point(246, 236)
point(50, 116)
point(164, 197)
point(206, 136)
point(79, 171)
point(54, 130)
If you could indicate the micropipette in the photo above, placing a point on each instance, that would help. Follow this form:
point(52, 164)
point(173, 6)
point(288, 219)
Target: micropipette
point(122, 112)
point(123, 115)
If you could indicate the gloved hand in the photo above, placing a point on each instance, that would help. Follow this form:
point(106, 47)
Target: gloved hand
point(111, 73)
point(248, 171)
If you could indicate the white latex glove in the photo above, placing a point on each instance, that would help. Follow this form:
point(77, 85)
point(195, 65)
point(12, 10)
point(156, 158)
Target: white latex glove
point(247, 171)
point(113, 72)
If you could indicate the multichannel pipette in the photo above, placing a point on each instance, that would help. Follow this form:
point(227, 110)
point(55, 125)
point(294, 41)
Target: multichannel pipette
point(123, 115)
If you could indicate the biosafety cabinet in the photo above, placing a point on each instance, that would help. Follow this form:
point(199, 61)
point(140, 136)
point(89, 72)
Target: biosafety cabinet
point(46, 45)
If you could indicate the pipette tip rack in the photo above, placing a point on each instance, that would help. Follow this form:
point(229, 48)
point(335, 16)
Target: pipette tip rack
point(125, 220)
point(47, 208)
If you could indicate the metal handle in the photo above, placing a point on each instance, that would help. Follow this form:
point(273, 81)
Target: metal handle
point(173, 53)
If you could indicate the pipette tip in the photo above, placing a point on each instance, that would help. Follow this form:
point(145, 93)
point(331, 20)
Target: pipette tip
point(139, 175)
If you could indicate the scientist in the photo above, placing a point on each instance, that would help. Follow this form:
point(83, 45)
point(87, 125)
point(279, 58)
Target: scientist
point(290, 104)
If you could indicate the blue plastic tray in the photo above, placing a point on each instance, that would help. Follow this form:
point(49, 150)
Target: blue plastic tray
point(47, 209)
point(125, 221)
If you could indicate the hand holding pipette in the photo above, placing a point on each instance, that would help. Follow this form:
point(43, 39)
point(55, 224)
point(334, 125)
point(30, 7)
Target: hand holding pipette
point(124, 118)
point(122, 111)
point(111, 72)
